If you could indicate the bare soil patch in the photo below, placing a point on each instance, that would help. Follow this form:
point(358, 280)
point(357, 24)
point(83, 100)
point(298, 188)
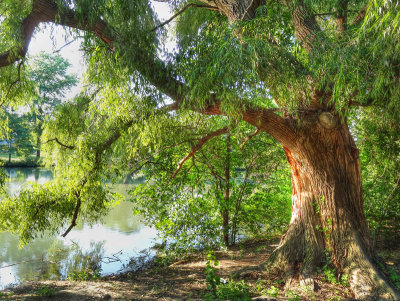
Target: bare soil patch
point(185, 280)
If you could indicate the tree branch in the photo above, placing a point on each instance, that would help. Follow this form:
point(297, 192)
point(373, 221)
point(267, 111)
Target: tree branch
point(251, 136)
point(65, 45)
point(264, 119)
point(182, 10)
point(152, 68)
point(305, 25)
point(358, 19)
point(334, 13)
point(48, 11)
point(198, 146)
point(75, 216)
point(60, 143)
point(359, 104)
point(13, 83)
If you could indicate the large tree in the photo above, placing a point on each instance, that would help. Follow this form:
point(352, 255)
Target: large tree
point(49, 73)
point(293, 69)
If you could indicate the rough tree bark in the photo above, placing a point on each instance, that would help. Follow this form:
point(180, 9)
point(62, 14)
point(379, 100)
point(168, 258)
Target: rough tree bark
point(327, 206)
point(327, 211)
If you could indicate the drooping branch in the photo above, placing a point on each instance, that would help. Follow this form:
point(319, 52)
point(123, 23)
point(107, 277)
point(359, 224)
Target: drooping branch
point(152, 68)
point(75, 216)
point(198, 146)
point(183, 10)
point(14, 82)
point(114, 137)
point(99, 150)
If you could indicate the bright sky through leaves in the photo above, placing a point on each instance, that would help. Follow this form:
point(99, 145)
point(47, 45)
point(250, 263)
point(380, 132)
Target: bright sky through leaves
point(50, 40)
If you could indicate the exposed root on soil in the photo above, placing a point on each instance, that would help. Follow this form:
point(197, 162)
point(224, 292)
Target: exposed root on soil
point(297, 261)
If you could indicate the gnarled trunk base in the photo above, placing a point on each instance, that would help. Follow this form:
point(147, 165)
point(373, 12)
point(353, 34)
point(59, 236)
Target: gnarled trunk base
point(328, 223)
point(298, 259)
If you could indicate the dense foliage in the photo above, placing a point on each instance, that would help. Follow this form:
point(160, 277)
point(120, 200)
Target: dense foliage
point(231, 186)
point(320, 77)
point(210, 56)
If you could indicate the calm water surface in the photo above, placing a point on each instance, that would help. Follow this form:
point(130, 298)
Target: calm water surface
point(118, 243)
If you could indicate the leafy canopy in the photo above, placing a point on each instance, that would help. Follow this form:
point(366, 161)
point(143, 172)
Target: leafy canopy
point(263, 63)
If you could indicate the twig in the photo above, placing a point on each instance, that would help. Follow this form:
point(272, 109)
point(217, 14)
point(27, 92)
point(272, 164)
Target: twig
point(182, 10)
point(112, 258)
point(59, 49)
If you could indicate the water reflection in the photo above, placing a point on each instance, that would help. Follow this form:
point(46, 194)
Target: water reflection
point(17, 177)
point(87, 251)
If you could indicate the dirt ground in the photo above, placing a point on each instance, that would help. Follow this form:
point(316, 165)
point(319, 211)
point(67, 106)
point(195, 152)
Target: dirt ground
point(185, 280)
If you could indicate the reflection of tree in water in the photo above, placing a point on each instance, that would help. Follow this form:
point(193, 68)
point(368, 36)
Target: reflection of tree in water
point(61, 262)
point(86, 265)
point(20, 175)
point(121, 217)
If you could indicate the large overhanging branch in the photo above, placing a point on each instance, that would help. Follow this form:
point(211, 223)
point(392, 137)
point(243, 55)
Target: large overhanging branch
point(48, 11)
point(152, 68)
point(265, 119)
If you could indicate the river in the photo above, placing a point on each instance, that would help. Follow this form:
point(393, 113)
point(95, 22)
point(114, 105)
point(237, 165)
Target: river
point(120, 242)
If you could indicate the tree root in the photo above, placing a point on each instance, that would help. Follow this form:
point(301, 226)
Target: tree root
point(297, 265)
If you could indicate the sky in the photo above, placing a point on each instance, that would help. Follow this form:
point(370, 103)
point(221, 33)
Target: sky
point(51, 38)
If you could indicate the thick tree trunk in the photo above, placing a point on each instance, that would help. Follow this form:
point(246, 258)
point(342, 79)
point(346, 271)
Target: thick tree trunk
point(225, 227)
point(327, 213)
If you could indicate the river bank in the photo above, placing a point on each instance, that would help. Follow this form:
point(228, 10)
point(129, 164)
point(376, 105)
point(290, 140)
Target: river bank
point(185, 279)
point(16, 163)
